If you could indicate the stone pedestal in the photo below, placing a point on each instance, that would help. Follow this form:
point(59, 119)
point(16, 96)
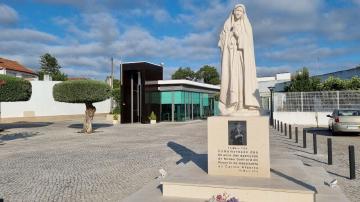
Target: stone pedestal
point(239, 146)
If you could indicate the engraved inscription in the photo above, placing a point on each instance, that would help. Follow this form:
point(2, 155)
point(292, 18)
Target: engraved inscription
point(239, 158)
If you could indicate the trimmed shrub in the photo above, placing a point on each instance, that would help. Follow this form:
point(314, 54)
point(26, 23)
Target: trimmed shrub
point(83, 91)
point(14, 89)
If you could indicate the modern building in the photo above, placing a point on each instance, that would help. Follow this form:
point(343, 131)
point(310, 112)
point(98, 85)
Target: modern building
point(343, 74)
point(182, 100)
point(13, 68)
point(144, 91)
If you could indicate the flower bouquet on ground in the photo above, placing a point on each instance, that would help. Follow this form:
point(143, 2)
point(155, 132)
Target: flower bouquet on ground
point(224, 198)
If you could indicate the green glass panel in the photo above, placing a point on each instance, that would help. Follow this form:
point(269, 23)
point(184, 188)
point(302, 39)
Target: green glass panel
point(178, 97)
point(155, 98)
point(205, 99)
point(196, 98)
point(166, 97)
point(216, 108)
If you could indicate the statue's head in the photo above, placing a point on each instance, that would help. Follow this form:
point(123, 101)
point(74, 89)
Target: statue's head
point(239, 11)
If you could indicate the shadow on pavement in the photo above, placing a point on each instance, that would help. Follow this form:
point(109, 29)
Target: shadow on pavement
point(188, 155)
point(299, 182)
point(94, 125)
point(14, 136)
point(319, 131)
point(332, 173)
point(5, 126)
point(310, 158)
point(325, 132)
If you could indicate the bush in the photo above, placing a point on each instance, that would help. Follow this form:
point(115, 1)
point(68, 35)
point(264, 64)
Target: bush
point(116, 110)
point(14, 89)
point(152, 116)
point(116, 116)
point(81, 91)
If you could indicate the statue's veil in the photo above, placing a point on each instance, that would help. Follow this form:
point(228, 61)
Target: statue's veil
point(249, 59)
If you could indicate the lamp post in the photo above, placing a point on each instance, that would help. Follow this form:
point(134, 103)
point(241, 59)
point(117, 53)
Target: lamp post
point(271, 106)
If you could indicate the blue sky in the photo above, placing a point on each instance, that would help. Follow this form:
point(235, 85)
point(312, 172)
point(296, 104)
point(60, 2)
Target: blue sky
point(323, 35)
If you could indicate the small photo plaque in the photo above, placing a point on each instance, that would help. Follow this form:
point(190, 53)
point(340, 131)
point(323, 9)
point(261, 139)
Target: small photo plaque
point(237, 133)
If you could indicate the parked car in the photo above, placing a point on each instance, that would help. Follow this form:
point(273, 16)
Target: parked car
point(344, 121)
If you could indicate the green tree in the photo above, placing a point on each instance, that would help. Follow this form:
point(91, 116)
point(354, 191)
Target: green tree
point(116, 95)
point(184, 73)
point(49, 65)
point(209, 74)
point(14, 89)
point(302, 82)
point(353, 83)
point(334, 83)
point(83, 91)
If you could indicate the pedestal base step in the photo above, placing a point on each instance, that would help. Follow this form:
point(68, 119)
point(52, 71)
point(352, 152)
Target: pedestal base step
point(192, 182)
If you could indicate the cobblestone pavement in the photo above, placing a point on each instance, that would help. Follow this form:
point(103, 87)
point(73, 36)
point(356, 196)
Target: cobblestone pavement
point(340, 168)
point(53, 162)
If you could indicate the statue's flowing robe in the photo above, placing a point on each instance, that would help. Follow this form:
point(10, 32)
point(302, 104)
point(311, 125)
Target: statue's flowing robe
point(238, 68)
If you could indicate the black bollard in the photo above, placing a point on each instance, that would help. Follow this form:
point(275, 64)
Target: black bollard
point(296, 135)
point(329, 144)
point(285, 129)
point(278, 127)
point(314, 143)
point(281, 127)
point(290, 132)
point(352, 162)
point(274, 123)
point(304, 138)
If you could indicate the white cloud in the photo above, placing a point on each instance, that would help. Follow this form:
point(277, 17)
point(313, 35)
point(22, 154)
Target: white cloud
point(263, 71)
point(306, 54)
point(28, 35)
point(7, 15)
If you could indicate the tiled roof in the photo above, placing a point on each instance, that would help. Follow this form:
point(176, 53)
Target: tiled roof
point(14, 66)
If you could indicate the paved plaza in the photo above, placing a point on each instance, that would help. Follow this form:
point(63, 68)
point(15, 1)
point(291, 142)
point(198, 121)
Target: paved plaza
point(53, 162)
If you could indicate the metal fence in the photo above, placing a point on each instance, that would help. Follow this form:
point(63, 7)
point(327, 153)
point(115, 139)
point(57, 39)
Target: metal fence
point(319, 101)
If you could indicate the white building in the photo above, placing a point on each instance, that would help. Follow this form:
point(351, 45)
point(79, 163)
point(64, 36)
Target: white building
point(13, 68)
point(278, 82)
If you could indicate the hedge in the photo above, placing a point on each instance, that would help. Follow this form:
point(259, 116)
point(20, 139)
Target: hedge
point(14, 89)
point(81, 91)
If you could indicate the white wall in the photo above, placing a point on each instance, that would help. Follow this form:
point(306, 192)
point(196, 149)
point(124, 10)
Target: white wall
point(42, 103)
point(302, 118)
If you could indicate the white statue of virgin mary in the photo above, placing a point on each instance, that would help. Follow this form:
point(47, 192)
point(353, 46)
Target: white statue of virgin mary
point(238, 94)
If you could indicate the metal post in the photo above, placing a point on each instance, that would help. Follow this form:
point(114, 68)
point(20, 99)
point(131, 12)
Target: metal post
point(278, 127)
point(352, 162)
point(271, 106)
point(329, 145)
point(296, 135)
point(302, 101)
point(274, 123)
point(290, 132)
point(285, 129)
point(314, 143)
point(304, 138)
point(172, 107)
point(281, 126)
point(132, 98)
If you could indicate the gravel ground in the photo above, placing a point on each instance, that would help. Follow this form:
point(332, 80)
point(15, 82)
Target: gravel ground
point(340, 168)
point(53, 162)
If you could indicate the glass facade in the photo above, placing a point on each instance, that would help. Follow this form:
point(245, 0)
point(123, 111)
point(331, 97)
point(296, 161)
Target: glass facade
point(185, 105)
